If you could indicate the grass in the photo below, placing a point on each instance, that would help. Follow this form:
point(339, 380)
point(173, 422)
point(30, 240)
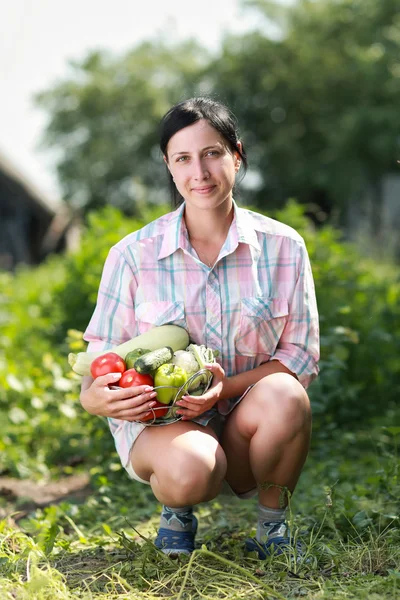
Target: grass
point(345, 510)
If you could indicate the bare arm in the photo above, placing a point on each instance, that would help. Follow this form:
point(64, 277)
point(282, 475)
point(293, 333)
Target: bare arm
point(238, 384)
point(226, 387)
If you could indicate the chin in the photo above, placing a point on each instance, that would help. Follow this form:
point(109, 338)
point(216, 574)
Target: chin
point(208, 202)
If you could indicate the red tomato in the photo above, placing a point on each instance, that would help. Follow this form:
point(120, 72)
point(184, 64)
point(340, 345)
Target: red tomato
point(107, 363)
point(160, 412)
point(132, 378)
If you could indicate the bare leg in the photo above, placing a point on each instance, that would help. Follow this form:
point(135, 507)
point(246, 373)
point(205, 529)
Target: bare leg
point(183, 462)
point(266, 439)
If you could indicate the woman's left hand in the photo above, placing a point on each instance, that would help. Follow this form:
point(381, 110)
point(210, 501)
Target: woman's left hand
point(193, 406)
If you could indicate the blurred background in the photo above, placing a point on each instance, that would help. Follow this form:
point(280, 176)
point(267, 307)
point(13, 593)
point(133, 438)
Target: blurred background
point(315, 86)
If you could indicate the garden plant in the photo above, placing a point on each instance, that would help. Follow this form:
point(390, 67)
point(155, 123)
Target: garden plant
point(100, 545)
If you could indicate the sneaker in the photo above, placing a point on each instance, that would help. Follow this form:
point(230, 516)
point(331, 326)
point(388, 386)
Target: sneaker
point(275, 546)
point(176, 542)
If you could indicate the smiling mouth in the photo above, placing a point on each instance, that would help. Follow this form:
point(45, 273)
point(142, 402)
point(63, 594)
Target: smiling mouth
point(203, 190)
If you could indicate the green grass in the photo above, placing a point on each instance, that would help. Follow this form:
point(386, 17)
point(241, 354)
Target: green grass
point(345, 509)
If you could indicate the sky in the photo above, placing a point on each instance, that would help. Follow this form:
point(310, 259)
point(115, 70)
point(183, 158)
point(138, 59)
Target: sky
point(38, 38)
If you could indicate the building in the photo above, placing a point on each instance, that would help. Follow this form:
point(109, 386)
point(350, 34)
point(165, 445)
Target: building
point(31, 225)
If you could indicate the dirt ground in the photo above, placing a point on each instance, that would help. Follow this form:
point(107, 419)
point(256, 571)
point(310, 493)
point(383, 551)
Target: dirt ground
point(19, 497)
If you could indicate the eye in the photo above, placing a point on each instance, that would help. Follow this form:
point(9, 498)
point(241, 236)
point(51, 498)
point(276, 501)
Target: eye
point(213, 153)
point(182, 158)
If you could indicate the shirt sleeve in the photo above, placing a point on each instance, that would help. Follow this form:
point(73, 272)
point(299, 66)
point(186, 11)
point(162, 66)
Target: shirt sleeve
point(113, 319)
point(298, 347)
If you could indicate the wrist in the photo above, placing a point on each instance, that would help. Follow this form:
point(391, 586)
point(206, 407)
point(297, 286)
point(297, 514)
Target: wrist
point(226, 391)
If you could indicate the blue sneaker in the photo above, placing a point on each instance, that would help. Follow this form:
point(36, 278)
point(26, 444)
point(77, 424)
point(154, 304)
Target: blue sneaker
point(275, 546)
point(176, 542)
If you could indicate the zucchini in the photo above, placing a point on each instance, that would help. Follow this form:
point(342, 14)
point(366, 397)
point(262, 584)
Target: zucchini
point(152, 360)
point(164, 335)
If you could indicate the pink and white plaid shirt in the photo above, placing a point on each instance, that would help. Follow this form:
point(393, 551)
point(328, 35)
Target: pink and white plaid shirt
point(256, 304)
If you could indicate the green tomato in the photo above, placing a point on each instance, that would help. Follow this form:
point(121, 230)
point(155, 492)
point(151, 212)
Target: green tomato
point(168, 374)
point(131, 357)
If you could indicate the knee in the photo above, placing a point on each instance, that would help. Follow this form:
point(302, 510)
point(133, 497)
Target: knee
point(192, 478)
point(282, 399)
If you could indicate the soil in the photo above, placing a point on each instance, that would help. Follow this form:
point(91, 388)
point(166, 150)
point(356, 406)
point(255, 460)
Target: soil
point(19, 497)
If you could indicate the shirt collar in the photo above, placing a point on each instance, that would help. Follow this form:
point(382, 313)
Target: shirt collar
point(241, 231)
point(246, 233)
point(174, 233)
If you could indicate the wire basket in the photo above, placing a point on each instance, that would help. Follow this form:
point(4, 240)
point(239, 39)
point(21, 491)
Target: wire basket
point(171, 416)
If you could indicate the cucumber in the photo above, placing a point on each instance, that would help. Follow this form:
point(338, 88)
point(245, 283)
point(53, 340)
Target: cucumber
point(152, 360)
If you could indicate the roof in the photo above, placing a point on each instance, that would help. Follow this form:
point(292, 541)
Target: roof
point(50, 204)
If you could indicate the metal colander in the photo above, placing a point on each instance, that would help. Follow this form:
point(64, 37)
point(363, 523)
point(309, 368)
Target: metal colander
point(171, 416)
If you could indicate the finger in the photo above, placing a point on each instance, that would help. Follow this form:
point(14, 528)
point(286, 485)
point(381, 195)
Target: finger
point(188, 415)
point(136, 402)
point(131, 392)
point(108, 379)
point(138, 416)
point(138, 411)
point(128, 416)
point(214, 368)
point(185, 410)
point(193, 400)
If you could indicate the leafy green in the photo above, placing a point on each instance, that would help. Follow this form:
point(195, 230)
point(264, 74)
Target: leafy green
point(185, 360)
point(202, 356)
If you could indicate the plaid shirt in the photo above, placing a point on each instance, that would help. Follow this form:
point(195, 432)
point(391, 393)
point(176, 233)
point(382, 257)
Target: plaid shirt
point(256, 304)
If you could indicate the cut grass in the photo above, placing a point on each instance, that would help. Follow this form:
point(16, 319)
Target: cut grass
point(345, 512)
point(132, 568)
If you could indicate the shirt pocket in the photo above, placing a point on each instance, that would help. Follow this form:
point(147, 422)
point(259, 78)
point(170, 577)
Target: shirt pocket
point(262, 321)
point(154, 314)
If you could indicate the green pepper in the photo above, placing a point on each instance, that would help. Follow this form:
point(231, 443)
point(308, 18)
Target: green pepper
point(168, 374)
point(131, 357)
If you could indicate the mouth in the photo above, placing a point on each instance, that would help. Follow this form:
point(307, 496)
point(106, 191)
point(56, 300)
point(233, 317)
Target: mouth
point(203, 190)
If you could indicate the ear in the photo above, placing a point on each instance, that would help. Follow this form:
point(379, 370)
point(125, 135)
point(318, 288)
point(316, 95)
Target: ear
point(168, 167)
point(238, 160)
point(166, 162)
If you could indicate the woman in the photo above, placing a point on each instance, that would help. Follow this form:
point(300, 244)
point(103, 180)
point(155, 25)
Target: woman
point(240, 283)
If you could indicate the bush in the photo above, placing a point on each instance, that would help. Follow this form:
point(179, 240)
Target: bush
point(359, 307)
point(45, 426)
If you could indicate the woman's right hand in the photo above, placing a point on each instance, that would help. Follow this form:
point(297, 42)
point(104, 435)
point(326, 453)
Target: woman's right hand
point(128, 404)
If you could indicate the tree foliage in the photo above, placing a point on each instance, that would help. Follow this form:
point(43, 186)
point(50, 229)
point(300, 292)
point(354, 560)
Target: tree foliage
point(103, 120)
point(319, 105)
point(318, 108)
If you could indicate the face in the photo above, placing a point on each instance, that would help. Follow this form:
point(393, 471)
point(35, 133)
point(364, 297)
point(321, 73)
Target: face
point(202, 165)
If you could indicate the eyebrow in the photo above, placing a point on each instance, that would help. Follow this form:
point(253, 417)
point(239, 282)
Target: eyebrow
point(217, 144)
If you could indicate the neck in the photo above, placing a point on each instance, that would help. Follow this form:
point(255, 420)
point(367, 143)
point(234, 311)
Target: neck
point(207, 225)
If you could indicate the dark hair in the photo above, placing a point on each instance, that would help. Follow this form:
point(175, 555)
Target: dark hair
point(190, 111)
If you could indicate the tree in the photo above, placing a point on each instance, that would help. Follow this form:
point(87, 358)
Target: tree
point(318, 105)
point(103, 120)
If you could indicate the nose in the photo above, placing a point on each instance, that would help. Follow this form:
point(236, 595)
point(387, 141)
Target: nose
point(200, 171)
